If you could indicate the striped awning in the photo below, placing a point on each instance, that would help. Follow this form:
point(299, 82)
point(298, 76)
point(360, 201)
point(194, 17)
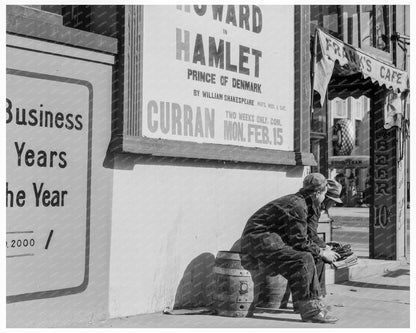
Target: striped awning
point(349, 71)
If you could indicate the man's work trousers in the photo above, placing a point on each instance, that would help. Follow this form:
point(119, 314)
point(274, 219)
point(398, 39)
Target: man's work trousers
point(320, 271)
point(299, 268)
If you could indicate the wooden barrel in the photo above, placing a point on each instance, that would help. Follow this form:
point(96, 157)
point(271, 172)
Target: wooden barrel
point(273, 289)
point(234, 290)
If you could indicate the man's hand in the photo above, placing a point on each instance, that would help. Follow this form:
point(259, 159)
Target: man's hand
point(329, 256)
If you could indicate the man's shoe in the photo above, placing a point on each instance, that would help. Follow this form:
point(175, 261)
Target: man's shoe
point(319, 304)
point(321, 317)
point(325, 308)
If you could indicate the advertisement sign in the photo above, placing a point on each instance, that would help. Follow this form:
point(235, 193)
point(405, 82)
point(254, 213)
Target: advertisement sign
point(47, 186)
point(383, 213)
point(219, 74)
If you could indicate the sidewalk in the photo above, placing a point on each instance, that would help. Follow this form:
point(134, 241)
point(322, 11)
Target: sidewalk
point(372, 294)
point(377, 301)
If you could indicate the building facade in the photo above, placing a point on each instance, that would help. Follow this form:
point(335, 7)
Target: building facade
point(360, 127)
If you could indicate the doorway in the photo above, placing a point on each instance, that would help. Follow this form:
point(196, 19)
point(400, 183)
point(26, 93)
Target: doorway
point(340, 142)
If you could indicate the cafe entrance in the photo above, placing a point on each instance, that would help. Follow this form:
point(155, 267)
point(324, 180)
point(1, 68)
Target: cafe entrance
point(356, 101)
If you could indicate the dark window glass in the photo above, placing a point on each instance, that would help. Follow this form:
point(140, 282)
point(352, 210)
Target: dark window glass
point(52, 9)
point(78, 17)
point(326, 17)
point(318, 120)
point(375, 29)
point(357, 132)
point(330, 18)
point(350, 17)
point(316, 15)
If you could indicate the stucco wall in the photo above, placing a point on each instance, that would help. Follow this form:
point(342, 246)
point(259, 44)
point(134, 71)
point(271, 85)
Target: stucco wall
point(170, 220)
point(63, 61)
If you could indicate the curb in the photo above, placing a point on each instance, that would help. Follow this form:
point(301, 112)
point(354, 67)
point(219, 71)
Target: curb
point(364, 268)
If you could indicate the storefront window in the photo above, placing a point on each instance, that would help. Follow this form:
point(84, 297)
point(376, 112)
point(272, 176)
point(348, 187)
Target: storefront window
point(86, 18)
point(365, 26)
point(330, 18)
point(78, 17)
point(375, 27)
point(315, 15)
point(318, 120)
point(327, 17)
point(350, 154)
point(350, 16)
point(357, 132)
point(51, 9)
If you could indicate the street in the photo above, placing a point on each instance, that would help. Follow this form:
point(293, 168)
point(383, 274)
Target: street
point(351, 226)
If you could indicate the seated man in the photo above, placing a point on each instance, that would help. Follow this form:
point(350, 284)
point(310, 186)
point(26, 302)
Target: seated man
point(277, 235)
point(332, 197)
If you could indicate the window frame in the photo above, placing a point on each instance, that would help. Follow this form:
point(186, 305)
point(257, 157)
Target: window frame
point(383, 55)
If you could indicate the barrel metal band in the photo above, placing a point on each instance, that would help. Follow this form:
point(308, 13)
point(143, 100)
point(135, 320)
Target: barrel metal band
point(231, 272)
point(232, 298)
point(229, 255)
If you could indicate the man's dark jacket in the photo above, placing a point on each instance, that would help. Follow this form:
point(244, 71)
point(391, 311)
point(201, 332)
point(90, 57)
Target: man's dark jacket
point(313, 223)
point(281, 223)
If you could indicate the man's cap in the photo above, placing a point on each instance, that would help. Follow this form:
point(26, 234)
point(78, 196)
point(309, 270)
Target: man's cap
point(314, 182)
point(334, 190)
